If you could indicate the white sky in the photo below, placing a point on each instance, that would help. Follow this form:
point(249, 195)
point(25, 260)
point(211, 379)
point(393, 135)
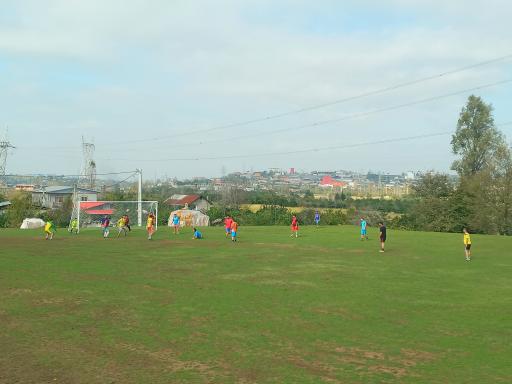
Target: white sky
point(135, 76)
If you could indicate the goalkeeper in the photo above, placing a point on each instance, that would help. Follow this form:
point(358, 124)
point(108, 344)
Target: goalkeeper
point(73, 226)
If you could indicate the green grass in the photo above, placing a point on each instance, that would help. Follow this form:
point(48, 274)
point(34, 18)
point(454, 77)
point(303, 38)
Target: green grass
point(324, 308)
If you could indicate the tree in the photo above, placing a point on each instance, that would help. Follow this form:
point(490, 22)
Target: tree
point(432, 210)
point(21, 208)
point(433, 185)
point(484, 167)
point(477, 141)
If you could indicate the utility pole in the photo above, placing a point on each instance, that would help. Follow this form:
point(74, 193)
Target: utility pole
point(139, 199)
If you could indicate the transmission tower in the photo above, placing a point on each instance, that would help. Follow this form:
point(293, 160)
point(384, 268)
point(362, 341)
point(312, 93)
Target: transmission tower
point(4, 148)
point(89, 166)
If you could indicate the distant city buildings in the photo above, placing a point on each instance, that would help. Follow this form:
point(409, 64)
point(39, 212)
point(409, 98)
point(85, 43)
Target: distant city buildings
point(323, 184)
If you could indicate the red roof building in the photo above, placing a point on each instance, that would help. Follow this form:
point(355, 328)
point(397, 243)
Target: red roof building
point(191, 201)
point(96, 207)
point(328, 181)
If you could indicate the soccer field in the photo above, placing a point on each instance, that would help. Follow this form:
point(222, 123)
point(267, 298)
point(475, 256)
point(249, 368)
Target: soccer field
point(323, 308)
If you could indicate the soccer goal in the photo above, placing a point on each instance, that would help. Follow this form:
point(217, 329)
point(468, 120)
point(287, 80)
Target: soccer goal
point(91, 213)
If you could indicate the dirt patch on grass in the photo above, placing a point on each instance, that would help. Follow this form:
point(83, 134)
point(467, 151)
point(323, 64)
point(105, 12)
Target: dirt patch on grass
point(325, 372)
point(171, 360)
point(341, 312)
point(396, 372)
point(366, 362)
point(277, 245)
point(19, 291)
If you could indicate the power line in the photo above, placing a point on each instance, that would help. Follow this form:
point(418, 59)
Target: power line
point(81, 175)
point(310, 108)
point(122, 181)
point(356, 115)
point(341, 146)
point(319, 149)
point(323, 105)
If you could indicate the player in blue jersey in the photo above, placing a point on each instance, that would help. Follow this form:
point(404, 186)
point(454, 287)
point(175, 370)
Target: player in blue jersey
point(363, 229)
point(317, 218)
point(176, 224)
point(197, 235)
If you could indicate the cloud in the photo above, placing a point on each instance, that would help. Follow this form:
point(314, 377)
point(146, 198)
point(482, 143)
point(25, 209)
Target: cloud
point(143, 69)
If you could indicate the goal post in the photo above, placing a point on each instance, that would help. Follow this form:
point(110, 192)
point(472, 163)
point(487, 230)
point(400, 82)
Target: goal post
point(90, 214)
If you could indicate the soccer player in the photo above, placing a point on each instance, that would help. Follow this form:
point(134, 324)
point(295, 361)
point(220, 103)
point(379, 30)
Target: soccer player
point(382, 235)
point(227, 225)
point(234, 230)
point(467, 244)
point(74, 226)
point(363, 229)
point(150, 226)
point(295, 226)
point(176, 224)
point(121, 226)
point(49, 230)
point(197, 234)
point(317, 218)
point(127, 222)
point(105, 225)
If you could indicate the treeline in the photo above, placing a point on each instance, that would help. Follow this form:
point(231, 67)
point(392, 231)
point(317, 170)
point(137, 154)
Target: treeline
point(276, 215)
point(22, 207)
point(482, 198)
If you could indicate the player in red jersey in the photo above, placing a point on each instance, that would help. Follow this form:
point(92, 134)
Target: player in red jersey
point(227, 225)
point(295, 227)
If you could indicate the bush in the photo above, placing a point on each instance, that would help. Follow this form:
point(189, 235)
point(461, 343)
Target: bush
point(21, 208)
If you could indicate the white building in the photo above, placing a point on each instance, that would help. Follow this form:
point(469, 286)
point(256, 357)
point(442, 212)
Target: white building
point(55, 196)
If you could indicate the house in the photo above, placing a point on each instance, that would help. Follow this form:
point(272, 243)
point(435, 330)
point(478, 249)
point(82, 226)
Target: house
point(55, 196)
point(196, 202)
point(4, 205)
point(24, 187)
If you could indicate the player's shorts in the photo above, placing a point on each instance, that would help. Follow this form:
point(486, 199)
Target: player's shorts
point(48, 232)
point(233, 234)
point(295, 228)
point(228, 230)
point(468, 247)
point(383, 239)
point(363, 232)
point(317, 221)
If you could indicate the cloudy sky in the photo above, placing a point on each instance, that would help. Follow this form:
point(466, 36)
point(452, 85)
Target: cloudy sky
point(157, 83)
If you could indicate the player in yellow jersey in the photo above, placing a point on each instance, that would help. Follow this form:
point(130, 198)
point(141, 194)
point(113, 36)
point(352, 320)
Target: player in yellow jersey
point(49, 230)
point(467, 244)
point(150, 226)
point(73, 227)
point(121, 226)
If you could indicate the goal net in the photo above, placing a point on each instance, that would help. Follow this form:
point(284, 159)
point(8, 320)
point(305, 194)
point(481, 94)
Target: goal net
point(91, 213)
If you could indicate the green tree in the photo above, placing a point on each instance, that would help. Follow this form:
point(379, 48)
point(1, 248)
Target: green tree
point(484, 167)
point(21, 208)
point(432, 209)
point(477, 141)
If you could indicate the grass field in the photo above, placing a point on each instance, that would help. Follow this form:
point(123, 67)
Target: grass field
point(324, 308)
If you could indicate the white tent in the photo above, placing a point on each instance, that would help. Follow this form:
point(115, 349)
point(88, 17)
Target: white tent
point(190, 218)
point(32, 223)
